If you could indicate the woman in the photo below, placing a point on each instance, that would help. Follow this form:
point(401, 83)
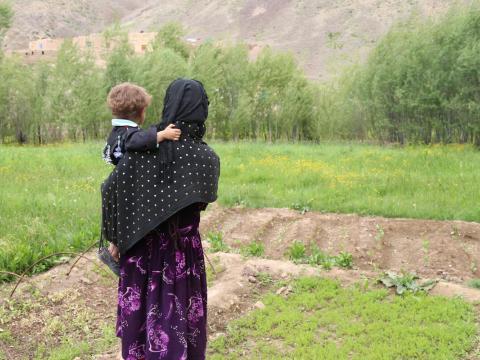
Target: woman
point(151, 212)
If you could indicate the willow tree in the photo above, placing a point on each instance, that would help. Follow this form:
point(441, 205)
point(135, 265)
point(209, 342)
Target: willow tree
point(75, 97)
point(6, 15)
point(119, 55)
point(155, 71)
point(422, 82)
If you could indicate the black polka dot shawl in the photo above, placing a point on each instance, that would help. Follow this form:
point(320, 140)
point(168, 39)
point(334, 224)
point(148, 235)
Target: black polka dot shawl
point(147, 188)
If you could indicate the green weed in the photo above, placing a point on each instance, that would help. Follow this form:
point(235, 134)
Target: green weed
point(318, 257)
point(216, 242)
point(313, 255)
point(303, 208)
point(406, 282)
point(255, 248)
point(426, 250)
point(474, 283)
point(219, 268)
point(264, 278)
point(296, 251)
point(344, 260)
point(380, 233)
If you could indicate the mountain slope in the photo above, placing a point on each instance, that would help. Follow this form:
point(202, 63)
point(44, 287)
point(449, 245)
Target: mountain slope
point(35, 19)
point(321, 33)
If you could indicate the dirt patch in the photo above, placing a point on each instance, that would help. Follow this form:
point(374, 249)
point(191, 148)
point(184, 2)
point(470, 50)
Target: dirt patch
point(449, 250)
point(52, 305)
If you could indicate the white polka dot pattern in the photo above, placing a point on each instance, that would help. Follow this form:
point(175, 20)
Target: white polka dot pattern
point(139, 194)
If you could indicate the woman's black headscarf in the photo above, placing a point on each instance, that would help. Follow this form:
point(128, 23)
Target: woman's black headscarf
point(146, 189)
point(186, 106)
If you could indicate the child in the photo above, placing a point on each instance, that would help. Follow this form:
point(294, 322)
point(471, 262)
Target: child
point(128, 103)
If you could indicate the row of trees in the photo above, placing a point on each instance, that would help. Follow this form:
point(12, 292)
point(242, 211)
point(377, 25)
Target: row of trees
point(269, 98)
point(420, 84)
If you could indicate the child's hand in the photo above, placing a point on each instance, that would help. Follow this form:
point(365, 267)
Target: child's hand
point(169, 133)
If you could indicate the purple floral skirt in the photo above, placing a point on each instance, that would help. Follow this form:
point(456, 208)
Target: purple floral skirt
point(162, 295)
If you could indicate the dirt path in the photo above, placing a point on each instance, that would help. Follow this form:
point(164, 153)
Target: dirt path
point(434, 249)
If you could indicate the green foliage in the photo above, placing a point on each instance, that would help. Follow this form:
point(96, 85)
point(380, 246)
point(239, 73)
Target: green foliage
point(255, 248)
point(119, 56)
point(318, 257)
point(406, 282)
point(296, 251)
point(416, 181)
point(50, 203)
point(344, 260)
point(170, 36)
point(421, 83)
point(267, 99)
point(74, 99)
point(322, 320)
point(313, 255)
point(155, 71)
point(16, 100)
point(216, 242)
point(265, 279)
point(6, 15)
point(474, 283)
point(302, 208)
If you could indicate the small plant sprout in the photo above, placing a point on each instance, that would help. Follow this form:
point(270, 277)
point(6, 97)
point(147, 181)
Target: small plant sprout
point(296, 251)
point(216, 242)
point(473, 267)
point(344, 260)
point(240, 202)
point(426, 250)
point(455, 232)
point(302, 207)
point(319, 258)
point(380, 233)
point(255, 248)
point(474, 283)
point(264, 278)
point(406, 282)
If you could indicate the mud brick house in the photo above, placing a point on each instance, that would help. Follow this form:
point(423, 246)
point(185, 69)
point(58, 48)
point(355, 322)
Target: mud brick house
point(48, 48)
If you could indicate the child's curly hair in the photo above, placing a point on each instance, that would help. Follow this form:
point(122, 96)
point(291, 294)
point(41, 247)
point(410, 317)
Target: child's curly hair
point(127, 100)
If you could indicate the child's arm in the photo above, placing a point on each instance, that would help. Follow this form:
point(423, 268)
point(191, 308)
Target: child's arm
point(141, 140)
point(169, 133)
point(144, 140)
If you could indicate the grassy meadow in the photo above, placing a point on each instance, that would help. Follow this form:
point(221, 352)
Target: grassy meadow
point(322, 320)
point(50, 202)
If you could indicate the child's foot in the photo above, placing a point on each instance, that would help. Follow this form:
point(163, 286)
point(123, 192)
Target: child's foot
point(119, 356)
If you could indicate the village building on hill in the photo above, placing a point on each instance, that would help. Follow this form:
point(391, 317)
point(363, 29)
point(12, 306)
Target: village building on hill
point(96, 42)
point(47, 48)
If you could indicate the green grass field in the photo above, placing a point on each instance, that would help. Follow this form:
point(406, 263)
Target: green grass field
point(50, 199)
point(322, 320)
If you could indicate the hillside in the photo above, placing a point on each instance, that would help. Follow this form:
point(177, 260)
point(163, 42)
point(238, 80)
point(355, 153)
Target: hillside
point(62, 18)
point(321, 33)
